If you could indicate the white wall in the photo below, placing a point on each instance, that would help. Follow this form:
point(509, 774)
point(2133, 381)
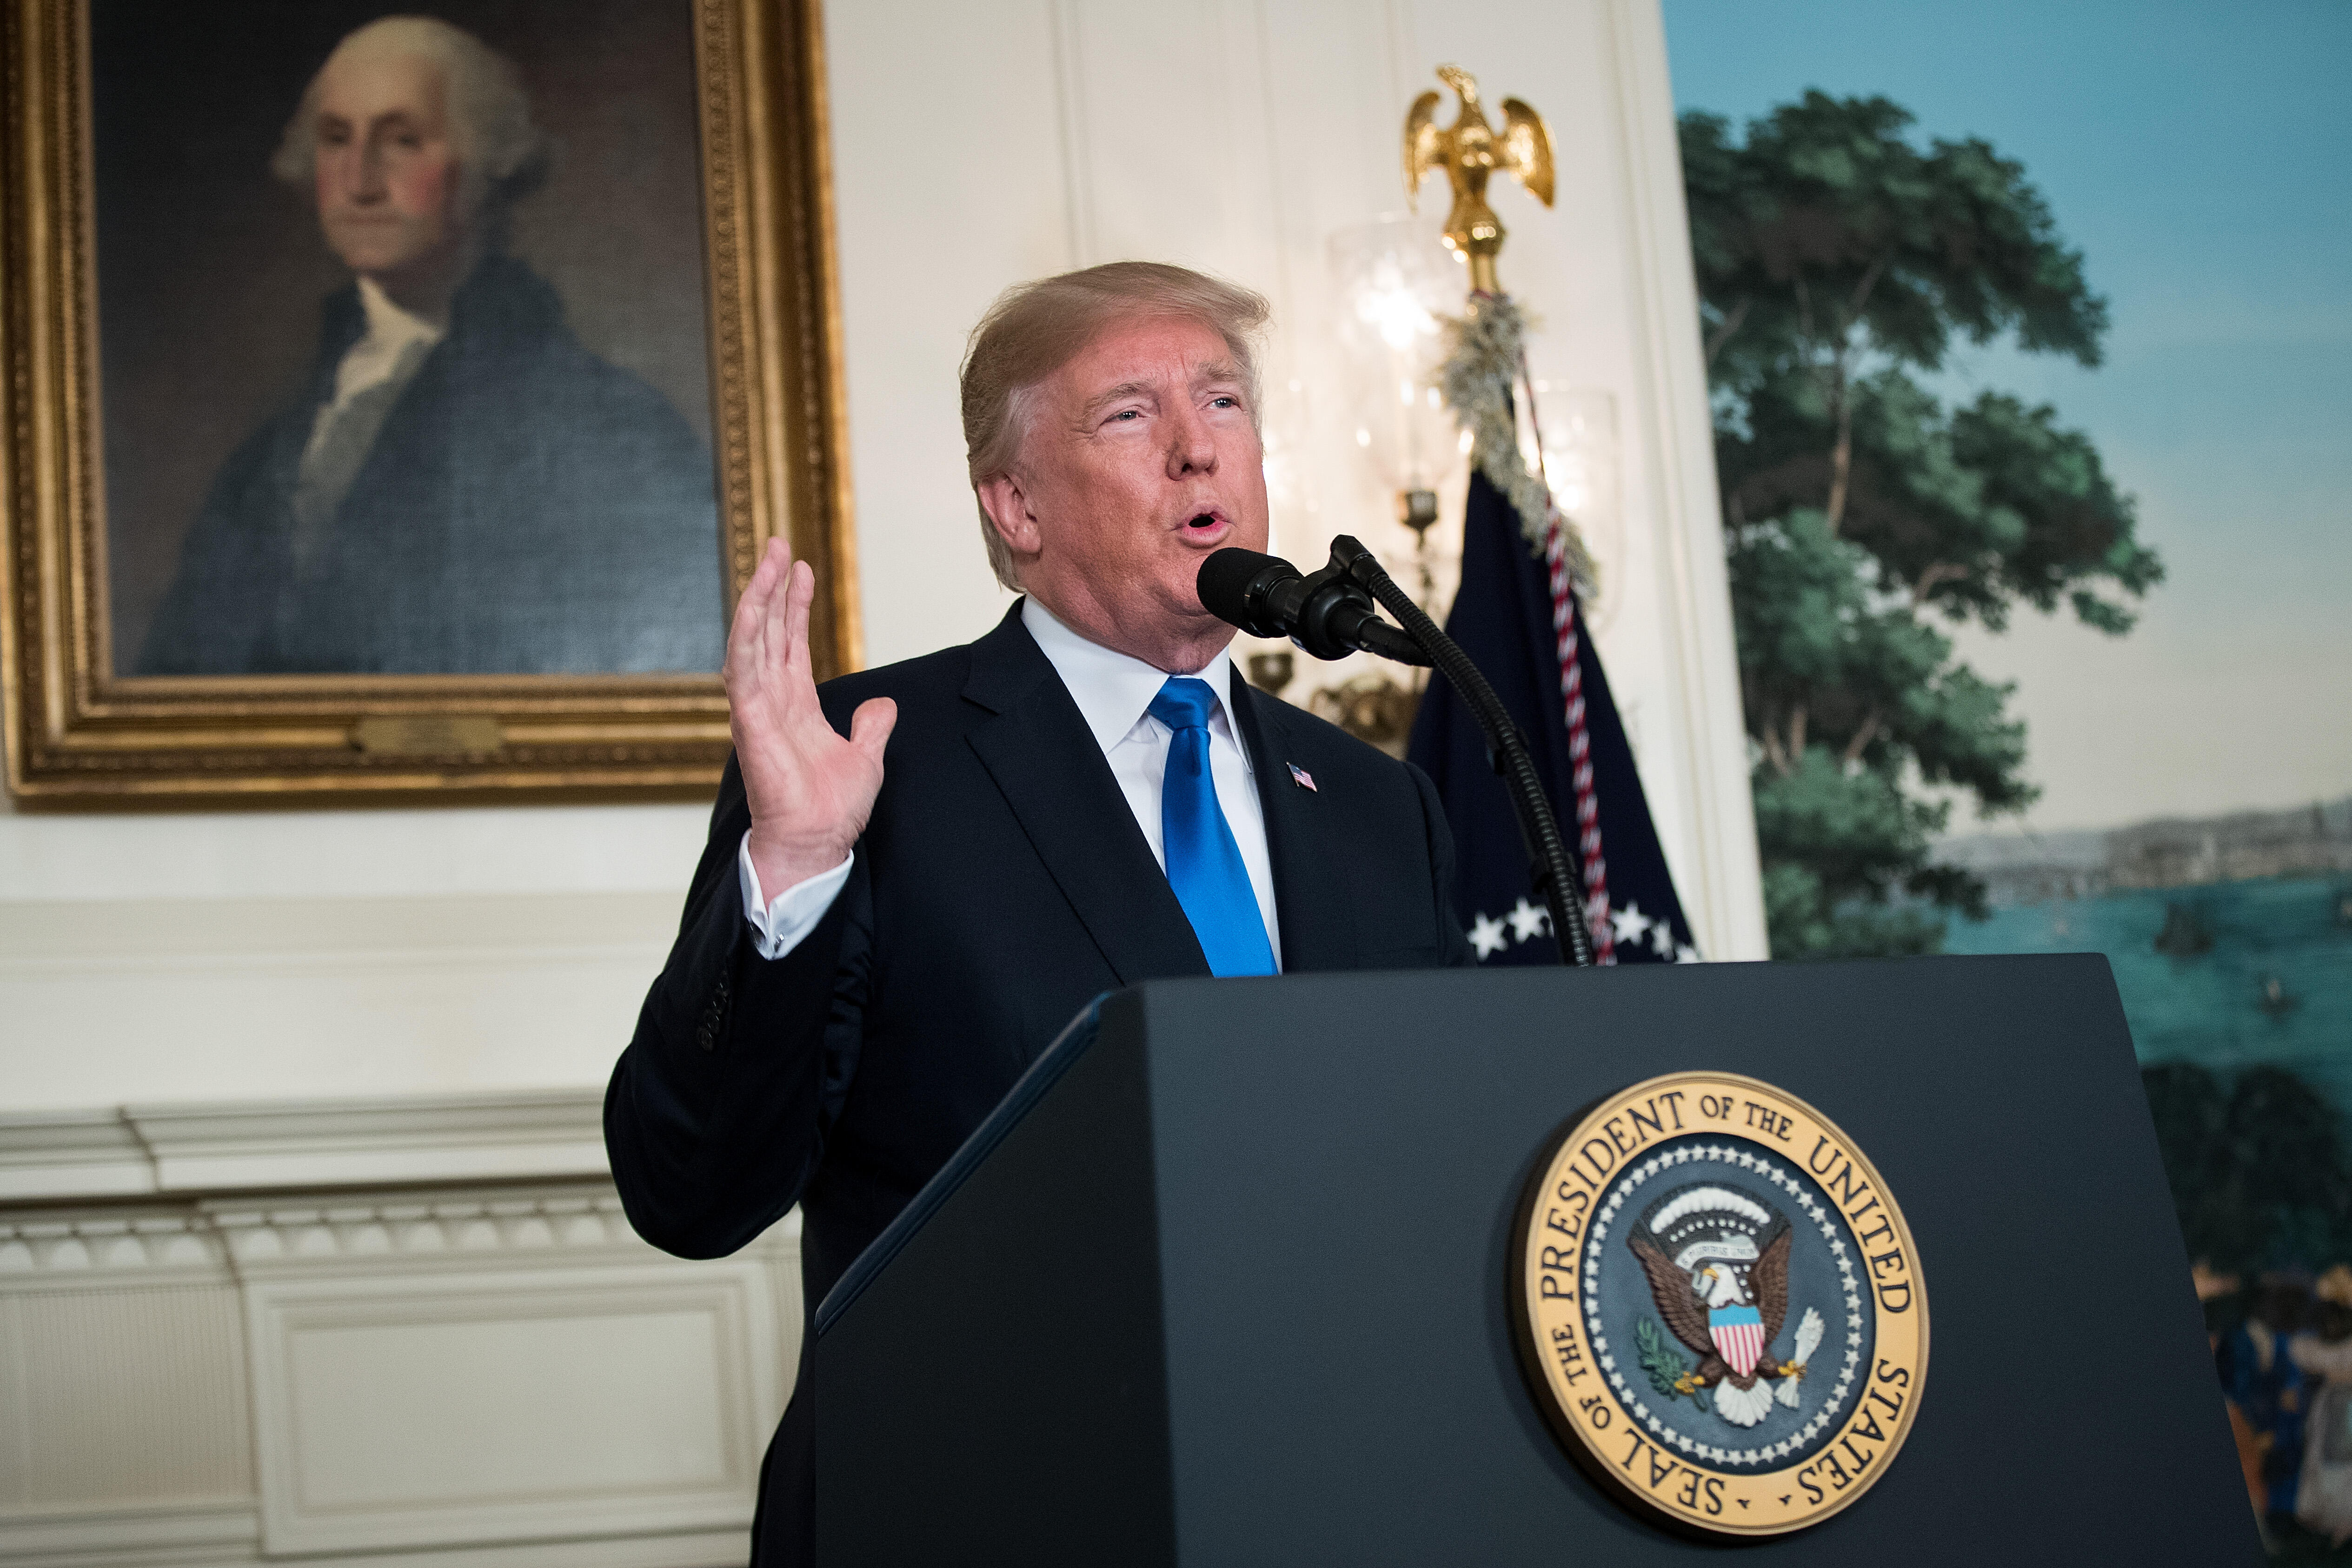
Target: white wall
point(250, 954)
point(236, 955)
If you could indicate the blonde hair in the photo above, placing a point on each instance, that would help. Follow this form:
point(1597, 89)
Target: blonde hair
point(1035, 329)
point(502, 152)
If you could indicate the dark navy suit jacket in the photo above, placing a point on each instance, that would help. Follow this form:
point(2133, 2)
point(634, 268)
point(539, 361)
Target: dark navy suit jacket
point(526, 507)
point(1000, 885)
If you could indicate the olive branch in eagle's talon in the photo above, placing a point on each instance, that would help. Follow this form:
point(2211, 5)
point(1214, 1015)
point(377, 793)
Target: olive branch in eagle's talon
point(1669, 1373)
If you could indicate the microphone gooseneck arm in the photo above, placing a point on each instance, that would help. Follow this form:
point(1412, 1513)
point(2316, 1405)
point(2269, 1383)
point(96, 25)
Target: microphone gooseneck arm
point(1555, 874)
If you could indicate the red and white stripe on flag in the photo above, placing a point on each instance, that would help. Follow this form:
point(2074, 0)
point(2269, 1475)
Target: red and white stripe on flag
point(1742, 1344)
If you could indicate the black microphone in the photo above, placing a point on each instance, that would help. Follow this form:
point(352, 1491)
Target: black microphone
point(1326, 613)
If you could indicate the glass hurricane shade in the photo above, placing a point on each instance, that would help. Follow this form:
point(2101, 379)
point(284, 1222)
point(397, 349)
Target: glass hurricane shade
point(1396, 284)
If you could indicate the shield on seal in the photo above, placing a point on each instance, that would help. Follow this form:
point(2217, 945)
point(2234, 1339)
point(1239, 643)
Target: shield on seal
point(1738, 1335)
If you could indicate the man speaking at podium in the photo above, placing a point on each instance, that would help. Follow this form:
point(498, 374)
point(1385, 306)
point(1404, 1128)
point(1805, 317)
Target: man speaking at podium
point(917, 875)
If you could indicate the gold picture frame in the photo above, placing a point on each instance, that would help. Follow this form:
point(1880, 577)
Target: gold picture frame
point(78, 733)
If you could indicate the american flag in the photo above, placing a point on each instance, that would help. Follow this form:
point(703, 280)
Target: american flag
point(1739, 1333)
point(1515, 617)
point(1301, 778)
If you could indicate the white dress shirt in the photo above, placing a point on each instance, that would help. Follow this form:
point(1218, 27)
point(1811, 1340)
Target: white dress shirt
point(1113, 693)
point(369, 380)
point(395, 345)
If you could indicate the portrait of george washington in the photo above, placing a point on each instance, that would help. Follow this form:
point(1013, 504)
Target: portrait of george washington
point(453, 483)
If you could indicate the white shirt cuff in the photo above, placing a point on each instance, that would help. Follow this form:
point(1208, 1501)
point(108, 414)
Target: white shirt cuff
point(780, 926)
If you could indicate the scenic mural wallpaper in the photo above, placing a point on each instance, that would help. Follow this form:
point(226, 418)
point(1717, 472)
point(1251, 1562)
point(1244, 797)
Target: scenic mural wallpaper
point(2031, 345)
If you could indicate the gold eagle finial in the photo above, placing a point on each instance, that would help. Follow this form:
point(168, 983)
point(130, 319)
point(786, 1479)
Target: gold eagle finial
point(1469, 152)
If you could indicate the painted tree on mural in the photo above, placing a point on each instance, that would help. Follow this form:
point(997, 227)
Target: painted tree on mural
point(1837, 263)
point(2256, 1164)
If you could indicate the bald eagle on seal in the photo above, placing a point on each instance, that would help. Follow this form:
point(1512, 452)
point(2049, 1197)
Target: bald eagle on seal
point(1727, 1323)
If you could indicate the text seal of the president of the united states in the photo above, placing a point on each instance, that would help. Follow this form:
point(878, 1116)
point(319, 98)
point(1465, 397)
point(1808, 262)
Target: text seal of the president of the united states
point(1718, 1306)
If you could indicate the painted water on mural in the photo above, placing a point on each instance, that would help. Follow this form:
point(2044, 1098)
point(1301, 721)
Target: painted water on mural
point(2225, 976)
point(2230, 937)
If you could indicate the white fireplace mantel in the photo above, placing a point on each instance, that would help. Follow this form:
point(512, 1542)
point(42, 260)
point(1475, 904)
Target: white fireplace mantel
point(193, 1148)
point(420, 1328)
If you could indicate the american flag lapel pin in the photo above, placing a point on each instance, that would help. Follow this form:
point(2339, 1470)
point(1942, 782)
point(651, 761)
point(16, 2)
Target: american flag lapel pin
point(1301, 778)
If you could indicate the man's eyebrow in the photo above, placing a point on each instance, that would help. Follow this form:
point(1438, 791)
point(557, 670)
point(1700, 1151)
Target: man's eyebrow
point(1206, 375)
point(1123, 390)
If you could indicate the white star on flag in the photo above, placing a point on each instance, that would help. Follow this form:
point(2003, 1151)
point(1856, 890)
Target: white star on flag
point(1527, 921)
point(1487, 935)
point(1631, 923)
point(1662, 940)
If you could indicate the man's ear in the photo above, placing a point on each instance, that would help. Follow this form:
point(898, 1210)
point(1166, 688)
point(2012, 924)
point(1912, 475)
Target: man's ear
point(1007, 506)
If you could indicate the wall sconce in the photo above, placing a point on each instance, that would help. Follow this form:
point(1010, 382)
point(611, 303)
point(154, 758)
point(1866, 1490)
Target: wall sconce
point(1396, 284)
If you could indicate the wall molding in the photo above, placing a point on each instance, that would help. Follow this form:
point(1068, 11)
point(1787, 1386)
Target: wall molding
point(135, 1149)
point(560, 1227)
point(1724, 894)
point(440, 1138)
point(1070, 121)
point(71, 1154)
point(164, 1535)
point(222, 1238)
point(229, 1534)
point(108, 1250)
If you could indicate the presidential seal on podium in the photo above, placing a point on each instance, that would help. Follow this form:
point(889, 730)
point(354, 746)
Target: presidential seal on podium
point(1717, 1305)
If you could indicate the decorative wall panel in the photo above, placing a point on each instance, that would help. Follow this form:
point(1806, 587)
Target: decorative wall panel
point(497, 1367)
point(502, 1375)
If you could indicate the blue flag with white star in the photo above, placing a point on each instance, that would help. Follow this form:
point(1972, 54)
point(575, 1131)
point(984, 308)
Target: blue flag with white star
point(1503, 618)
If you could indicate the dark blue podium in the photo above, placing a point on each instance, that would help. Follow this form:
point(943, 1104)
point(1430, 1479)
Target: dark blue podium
point(1225, 1280)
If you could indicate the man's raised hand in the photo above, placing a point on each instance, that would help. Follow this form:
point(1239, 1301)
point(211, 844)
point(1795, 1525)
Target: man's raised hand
point(810, 790)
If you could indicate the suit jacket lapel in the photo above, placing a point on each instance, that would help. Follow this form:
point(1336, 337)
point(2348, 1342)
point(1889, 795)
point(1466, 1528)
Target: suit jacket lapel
point(1041, 755)
point(1312, 897)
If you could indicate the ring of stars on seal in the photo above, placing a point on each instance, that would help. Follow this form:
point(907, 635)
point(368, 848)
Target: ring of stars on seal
point(1718, 1306)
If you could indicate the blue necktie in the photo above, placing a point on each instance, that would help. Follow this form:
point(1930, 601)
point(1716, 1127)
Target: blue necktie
point(1204, 863)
